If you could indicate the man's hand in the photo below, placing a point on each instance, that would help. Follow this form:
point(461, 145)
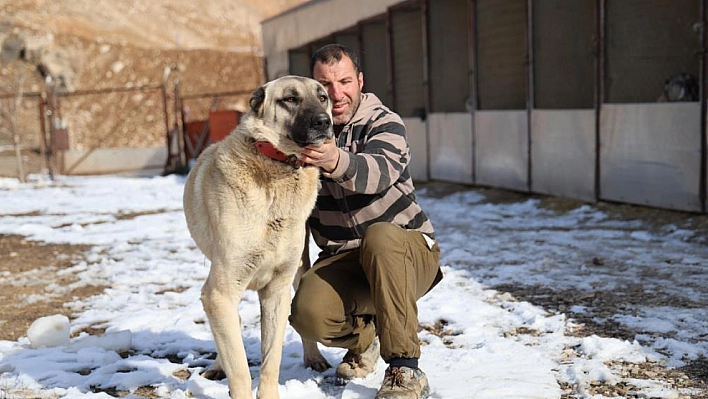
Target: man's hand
point(324, 156)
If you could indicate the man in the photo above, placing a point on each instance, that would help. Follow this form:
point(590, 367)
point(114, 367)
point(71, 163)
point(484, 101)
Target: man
point(378, 255)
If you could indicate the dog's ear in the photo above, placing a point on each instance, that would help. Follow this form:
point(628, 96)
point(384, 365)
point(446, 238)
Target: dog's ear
point(257, 99)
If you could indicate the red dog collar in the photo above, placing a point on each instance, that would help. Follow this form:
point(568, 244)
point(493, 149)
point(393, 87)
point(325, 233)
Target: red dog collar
point(270, 151)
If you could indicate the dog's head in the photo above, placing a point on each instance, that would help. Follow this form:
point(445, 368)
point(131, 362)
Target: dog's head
point(681, 87)
point(295, 107)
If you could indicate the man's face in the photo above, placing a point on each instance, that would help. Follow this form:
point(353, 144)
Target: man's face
point(343, 86)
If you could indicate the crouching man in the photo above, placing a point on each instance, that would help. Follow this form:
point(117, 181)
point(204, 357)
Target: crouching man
point(378, 254)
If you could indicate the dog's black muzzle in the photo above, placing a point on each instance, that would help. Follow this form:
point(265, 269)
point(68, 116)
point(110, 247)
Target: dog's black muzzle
point(319, 129)
point(321, 122)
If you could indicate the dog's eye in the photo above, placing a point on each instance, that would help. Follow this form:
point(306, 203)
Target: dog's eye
point(290, 100)
point(323, 99)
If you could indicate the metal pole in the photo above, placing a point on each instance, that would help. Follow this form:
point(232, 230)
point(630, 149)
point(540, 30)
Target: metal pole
point(472, 76)
point(15, 133)
point(425, 22)
point(50, 113)
point(169, 167)
point(43, 139)
point(106, 91)
point(389, 60)
point(599, 88)
point(530, 99)
point(703, 175)
point(179, 125)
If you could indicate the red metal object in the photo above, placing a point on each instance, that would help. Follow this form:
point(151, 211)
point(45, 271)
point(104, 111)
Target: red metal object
point(196, 134)
point(221, 123)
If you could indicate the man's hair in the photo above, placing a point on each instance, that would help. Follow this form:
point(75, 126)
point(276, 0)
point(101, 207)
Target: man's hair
point(330, 53)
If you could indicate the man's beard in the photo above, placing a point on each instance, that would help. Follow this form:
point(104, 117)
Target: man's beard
point(344, 118)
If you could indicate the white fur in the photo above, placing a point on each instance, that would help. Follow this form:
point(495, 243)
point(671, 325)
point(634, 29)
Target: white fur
point(247, 214)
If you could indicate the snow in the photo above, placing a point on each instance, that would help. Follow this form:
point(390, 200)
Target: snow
point(49, 331)
point(488, 345)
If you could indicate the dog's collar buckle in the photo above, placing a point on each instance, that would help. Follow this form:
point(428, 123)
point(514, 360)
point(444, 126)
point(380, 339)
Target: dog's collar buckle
point(270, 151)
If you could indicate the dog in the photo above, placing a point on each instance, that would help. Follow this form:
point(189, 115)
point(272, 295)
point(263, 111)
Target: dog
point(680, 87)
point(246, 202)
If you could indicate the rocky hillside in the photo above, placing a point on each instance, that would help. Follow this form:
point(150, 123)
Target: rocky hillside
point(84, 45)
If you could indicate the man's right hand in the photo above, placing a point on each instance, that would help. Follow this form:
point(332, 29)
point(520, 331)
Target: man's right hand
point(324, 156)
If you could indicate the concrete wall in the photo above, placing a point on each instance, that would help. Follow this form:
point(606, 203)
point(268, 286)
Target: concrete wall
point(451, 147)
point(501, 154)
point(113, 160)
point(651, 154)
point(563, 153)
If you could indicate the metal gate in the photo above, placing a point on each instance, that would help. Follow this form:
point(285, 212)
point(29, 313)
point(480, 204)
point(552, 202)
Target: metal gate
point(89, 131)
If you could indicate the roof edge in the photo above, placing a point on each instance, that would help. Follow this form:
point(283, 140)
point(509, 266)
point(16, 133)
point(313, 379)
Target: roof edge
point(292, 10)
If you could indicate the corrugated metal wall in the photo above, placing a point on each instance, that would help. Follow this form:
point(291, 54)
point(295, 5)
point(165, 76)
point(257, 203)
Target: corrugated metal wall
point(407, 43)
point(314, 46)
point(501, 153)
point(374, 59)
point(649, 41)
point(563, 126)
point(449, 66)
point(299, 60)
point(650, 153)
point(501, 54)
point(349, 39)
point(416, 130)
point(563, 51)
point(450, 122)
point(588, 130)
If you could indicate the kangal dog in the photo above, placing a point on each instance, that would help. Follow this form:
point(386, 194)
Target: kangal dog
point(246, 201)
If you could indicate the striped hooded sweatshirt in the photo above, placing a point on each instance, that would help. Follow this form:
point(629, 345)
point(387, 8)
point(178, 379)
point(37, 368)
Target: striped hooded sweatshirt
point(371, 183)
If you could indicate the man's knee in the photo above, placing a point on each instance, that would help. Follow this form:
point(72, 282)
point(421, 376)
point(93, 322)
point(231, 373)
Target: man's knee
point(380, 237)
point(309, 312)
point(304, 325)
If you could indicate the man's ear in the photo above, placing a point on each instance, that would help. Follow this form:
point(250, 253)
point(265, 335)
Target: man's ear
point(257, 99)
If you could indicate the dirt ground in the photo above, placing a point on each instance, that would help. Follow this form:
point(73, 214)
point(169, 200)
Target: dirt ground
point(27, 268)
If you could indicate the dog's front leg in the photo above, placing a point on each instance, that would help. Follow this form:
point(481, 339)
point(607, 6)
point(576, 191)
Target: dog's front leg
point(221, 306)
point(312, 357)
point(275, 306)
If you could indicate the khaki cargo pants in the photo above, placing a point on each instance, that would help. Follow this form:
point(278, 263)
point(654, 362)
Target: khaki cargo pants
point(340, 296)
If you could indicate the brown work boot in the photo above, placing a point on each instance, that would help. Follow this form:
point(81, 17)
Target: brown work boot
point(357, 365)
point(404, 383)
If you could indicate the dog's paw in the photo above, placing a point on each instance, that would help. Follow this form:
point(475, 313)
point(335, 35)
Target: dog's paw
point(214, 375)
point(312, 356)
point(320, 364)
